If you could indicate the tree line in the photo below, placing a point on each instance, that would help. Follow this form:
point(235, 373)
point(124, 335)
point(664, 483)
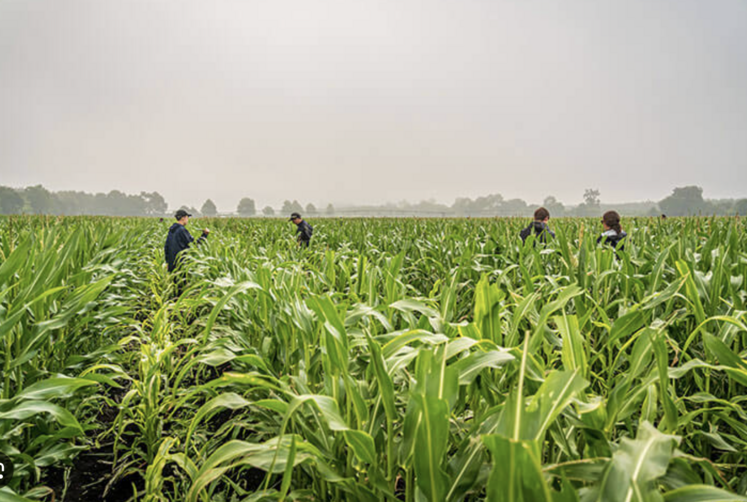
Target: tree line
point(683, 201)
point(38, 200)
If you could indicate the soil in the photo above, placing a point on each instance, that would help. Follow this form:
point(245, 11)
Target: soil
point(91, 471)
point(89, 475)
point(254, 478)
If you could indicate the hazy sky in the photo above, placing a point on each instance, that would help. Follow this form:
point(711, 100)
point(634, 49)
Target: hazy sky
point(369, 101)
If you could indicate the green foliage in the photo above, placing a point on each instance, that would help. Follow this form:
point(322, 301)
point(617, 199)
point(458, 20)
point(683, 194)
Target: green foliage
point(392, 360)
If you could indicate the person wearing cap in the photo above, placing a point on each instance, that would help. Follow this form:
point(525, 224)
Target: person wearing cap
point(303, 230)
point(179, 238)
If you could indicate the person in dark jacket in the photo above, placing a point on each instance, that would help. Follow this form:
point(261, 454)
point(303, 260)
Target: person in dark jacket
point(539, 227)
point(303, 230)
point(613, 233)
point(179, 238)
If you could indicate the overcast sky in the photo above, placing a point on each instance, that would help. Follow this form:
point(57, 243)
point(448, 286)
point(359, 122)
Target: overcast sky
point(370, 101)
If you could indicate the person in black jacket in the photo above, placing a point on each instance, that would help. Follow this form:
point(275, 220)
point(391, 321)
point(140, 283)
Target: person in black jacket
point(538, 226)
point(303, 230)
point(613, 233)
point(179, 238)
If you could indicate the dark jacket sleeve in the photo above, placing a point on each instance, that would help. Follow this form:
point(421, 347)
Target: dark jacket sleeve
point(185, 239)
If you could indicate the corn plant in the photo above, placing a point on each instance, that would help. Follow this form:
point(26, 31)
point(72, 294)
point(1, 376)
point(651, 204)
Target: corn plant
point(394, 359)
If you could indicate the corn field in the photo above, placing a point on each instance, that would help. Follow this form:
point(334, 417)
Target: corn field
point(394, 359)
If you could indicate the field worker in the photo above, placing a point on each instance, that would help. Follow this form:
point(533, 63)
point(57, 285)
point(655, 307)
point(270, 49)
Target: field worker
point(179, 238)
point(303, 230)
point(538, 226)
point(613, 233)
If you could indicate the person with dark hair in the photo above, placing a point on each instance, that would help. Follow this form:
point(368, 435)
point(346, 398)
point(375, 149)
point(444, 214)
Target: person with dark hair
point(613, 233)
point(179, 238)
point(303, 230)
point(538, 226)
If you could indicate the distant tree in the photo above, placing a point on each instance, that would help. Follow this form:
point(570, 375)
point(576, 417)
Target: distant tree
point(136, 205)
point(268, 211)
point(490, 204)
point(591, 197)
point(70, 202)
point(740, 207)
point(10, 201)
point(39, 200)
point(684, 201)
point(292, 207)
point(482, 206)
point(310, 208)
point(246, 207)
point(591, 206)
point(553, 205)
point(209, 209)
point(514, 207)
point(98, 204)
point(155, 204)
point(192, 210)
point(461, 206)
point(721, 207)
point(120, 204)
point(330, 209)
point(116, 203)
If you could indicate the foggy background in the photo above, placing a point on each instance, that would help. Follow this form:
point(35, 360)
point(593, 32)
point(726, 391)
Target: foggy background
point(355, 102)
